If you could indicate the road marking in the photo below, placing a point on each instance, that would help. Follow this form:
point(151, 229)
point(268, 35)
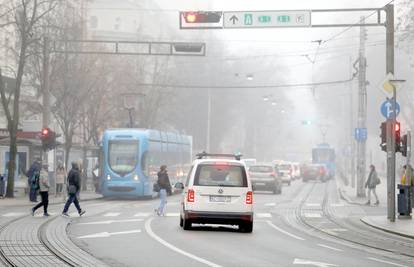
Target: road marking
point(314, 263)
point(113, 221)
point(174, 248)
point(270, 204)
point(142, 214)
point(313, 215)
point(174, 203)
point(283, 231)
point(328, 247)
point(112, 214)
point(337, 205)
point(263, 215)
point(172, 214)
point(13, 214)
point(388, 262)
point(313, 204)
point(106, 234)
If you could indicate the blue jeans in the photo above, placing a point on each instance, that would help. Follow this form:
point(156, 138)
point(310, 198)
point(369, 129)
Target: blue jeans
point(72, 198)
point(163, 202)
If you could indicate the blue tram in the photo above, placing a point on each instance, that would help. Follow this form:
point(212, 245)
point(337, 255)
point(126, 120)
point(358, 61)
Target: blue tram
point(130, 160)
point(324, 154)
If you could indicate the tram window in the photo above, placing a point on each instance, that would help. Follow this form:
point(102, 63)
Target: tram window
point(144, 163)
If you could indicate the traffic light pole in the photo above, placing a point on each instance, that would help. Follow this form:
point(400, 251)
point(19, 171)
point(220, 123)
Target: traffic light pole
point(389, 9)
point(45, 92)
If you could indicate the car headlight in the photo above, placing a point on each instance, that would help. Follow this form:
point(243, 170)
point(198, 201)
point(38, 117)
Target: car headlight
point(136, 178)
point(108, 177)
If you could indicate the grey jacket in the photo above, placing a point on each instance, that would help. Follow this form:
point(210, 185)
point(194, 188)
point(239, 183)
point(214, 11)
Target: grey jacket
point(44, 181)
point(372, 180)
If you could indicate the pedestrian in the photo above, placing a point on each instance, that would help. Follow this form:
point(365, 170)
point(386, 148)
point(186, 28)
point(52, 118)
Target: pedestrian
point(31, 175)
point(165, 187)
point(2, 186)
point(42, 180)
point(371, 184)
point(74, 186)
point(60, 179)
point(96, 179)
point(407, 175)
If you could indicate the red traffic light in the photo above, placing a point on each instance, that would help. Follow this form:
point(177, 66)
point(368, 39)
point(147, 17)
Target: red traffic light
point(45, 131)
point(397, 127)
point(190, 17)
point(202, 16)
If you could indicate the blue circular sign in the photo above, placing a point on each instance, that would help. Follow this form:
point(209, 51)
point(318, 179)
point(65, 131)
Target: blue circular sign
point(387, 109)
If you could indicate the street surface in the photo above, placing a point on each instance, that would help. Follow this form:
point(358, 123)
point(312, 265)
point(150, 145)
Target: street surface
point(308, 225)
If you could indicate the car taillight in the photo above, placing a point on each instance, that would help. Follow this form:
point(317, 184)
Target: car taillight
point(190, 195)
point(273, 174)
point(249, 197)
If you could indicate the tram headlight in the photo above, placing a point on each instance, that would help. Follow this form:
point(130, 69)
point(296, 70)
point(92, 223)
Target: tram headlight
point(136, 178)
point(108, 177)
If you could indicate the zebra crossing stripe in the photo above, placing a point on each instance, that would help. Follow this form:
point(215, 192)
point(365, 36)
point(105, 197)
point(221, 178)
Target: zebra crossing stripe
point(112, 214)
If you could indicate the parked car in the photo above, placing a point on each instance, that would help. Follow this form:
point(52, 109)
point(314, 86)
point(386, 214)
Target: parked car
point(264, 177)
point(217, 191)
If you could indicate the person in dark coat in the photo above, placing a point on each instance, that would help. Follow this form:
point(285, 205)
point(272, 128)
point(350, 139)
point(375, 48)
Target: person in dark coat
point(371, 184)
point(165, 187)
point(74, 186)
point(31, 175)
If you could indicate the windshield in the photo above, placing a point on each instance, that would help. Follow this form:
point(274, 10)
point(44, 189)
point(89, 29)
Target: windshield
point(284, 167)
point(264, 169)
point(220, 175)
point(123, 155)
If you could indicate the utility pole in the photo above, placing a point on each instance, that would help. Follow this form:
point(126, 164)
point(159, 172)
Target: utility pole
point(351, 126)
point(362, 112)
point(389, 9)
point(45, 90)
point(208, 120)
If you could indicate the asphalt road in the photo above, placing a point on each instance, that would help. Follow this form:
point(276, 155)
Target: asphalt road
point(308, 225)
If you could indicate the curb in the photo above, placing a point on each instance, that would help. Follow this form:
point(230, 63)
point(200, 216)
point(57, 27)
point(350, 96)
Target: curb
point(345, 197)
point(366, 222)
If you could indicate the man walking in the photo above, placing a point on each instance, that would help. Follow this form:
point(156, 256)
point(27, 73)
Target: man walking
point(42, 182)
point(74, 187)
point(371, 184)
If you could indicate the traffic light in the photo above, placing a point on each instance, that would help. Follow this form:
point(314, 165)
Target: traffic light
point(397, 131)
point(383, 144)
point(202, 17)
point(404, 145)
point(48, 138)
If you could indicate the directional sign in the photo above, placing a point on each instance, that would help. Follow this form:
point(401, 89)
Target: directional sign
point(387, 109)
point(361, 134)
point(267, 19)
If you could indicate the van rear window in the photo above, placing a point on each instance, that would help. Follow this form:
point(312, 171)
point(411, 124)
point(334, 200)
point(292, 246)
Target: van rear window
point(220, 175)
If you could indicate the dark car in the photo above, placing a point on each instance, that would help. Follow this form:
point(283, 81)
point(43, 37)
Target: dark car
point(314, 172)
point(264, 177)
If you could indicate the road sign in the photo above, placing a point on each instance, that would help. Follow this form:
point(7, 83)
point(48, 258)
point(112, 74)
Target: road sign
point(387, 86)
point(267, 19)
point(387, 109)
point(361, 134)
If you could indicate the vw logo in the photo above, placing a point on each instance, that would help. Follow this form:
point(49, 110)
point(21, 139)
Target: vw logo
point(220, 191)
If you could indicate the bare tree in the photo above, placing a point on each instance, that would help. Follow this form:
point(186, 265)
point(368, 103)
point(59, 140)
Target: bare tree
point(24, 16)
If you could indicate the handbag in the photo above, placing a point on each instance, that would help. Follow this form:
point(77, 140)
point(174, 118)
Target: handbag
point(156, 187)
point(72, 189)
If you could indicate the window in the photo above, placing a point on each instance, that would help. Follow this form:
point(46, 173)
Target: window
point(123, 155)
point(144, 163)
point(187, 182)
point(220, 175)
point(264, 169)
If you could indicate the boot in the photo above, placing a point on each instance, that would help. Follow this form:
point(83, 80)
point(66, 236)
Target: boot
point(377, 203)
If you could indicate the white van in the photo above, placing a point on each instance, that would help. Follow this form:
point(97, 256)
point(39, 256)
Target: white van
point(217, 191)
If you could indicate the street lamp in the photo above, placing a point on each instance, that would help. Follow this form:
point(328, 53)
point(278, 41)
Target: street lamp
point(131, 103)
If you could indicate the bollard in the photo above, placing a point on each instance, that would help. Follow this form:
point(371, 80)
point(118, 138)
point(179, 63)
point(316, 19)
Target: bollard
point(404, 202)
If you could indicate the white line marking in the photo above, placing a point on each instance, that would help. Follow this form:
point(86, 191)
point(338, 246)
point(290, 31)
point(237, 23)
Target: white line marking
point(106, 234)
point(313, 204)
point(337, 205)
point(172, 214)
point(270, 204)
point(112, 214)
point(142, 214)
point(328, 247)
point(314, 263)
point(263, 215)
point(113, 221)
point(13, 214)
point(388, 262)
point(174, 248)
point(283, 231)
point(312, 215)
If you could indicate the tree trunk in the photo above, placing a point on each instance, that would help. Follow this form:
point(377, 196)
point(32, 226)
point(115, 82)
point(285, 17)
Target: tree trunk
point(11, 165)
point(68, 146)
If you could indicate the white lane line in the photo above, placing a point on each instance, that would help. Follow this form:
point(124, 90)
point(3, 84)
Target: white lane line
point(337, 205)
point(174, 248)
point(13, 214)
point(329, 247)
point(313, 215)
point(312, 263)
point(142, 214)
point(270, 204)
point(283, 231)
point(388, 262)
point(172, 214)
point(106, 234)
point(112, 221)
point(112, 214)
point(263, 215)
point(313, 204)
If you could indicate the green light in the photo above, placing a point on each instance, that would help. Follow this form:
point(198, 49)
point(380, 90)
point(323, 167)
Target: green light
point(307, 122)
point(265, 19)
point(284, 18)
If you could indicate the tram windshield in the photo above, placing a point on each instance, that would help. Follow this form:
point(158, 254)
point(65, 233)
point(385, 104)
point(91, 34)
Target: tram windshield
point(123, 155)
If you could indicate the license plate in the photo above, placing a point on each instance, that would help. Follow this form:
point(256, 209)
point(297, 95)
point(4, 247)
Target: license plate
point(220, 199)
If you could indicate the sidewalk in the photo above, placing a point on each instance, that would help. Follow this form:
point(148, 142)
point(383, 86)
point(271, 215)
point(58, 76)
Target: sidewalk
point(402, 227)
point(24, 201)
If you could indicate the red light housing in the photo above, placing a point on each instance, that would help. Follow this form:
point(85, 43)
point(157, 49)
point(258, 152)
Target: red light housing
point(249, 197)
point(190, 195)
point(190, 17)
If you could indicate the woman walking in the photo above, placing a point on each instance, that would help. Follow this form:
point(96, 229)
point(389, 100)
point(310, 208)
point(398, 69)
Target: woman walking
point(372, 183)
point(165, 187)
point(42, 180)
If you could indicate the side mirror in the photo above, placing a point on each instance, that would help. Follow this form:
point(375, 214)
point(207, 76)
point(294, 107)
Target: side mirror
point(179, 186)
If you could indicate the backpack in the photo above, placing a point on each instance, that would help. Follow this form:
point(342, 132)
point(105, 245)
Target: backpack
point(35, 180)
